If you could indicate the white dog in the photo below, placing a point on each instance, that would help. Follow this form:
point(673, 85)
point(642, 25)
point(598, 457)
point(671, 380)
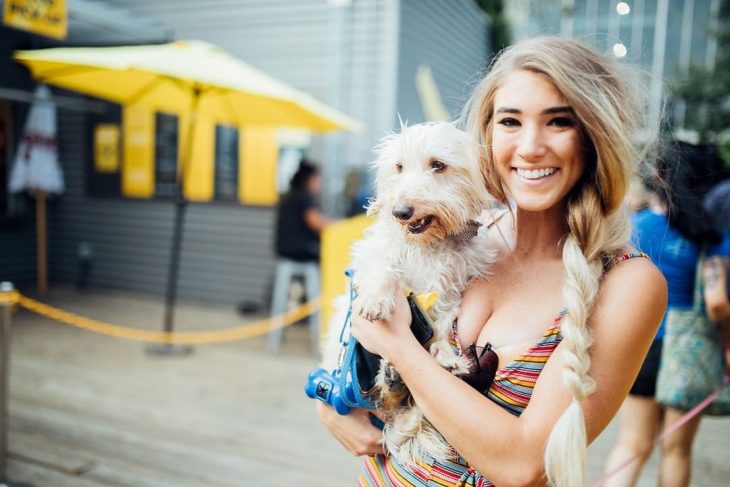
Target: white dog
point(430, 191)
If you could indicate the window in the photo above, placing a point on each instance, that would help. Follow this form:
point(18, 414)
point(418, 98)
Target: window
point(166, 144)
point(226, 163)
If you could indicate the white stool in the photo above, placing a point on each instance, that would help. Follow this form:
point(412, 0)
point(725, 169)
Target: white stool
point(285, 270)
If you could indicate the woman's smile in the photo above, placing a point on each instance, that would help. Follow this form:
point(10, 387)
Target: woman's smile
point(533, 175)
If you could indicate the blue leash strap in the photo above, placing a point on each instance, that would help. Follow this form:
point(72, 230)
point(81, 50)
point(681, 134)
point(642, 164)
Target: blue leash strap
point(348, 380)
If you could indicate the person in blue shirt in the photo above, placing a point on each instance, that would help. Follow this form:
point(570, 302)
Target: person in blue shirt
point(672, 230)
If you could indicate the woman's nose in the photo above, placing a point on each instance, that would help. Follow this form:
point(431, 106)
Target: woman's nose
point(531, 145)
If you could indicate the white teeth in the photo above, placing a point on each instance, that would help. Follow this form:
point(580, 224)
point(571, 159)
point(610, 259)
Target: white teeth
point(535, 173)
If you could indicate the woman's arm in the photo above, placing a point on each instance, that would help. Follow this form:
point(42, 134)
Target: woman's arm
point(315, 220)
point(714, 274)
point(506, 449)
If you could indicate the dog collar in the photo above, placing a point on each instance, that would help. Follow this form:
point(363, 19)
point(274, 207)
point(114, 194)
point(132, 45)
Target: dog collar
point(468, 232)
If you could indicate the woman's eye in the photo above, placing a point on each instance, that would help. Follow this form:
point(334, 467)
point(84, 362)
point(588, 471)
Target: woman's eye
point(509, 122)
point(399, 166)
point(562, 122)
point(438, 166)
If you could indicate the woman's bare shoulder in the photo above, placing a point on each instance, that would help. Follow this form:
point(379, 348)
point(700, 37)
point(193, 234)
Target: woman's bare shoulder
point(633, 292)
point(630, 305)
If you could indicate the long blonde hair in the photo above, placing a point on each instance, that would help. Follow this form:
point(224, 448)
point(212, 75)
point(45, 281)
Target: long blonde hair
point(603, 97)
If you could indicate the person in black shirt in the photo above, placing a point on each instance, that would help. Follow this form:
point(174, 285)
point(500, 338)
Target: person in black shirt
point(300, 219)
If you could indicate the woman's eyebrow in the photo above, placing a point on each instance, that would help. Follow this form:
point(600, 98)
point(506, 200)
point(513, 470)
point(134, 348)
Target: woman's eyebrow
point(547, 111)
point(551, 110)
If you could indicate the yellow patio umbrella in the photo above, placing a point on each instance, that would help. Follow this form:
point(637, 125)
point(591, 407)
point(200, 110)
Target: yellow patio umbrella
point(174, 77)
point(186, 77)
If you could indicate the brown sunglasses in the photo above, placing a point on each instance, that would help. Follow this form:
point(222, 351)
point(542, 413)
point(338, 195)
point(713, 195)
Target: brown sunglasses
point(484, 363)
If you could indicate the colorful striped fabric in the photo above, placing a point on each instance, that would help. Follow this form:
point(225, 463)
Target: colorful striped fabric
point(512, 389)
point(513, 383)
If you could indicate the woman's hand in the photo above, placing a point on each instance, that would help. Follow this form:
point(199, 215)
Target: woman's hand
point(386, 337)
point(355, 431)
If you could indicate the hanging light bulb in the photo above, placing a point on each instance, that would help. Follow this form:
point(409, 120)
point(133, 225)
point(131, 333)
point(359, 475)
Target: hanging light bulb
point(619, 50)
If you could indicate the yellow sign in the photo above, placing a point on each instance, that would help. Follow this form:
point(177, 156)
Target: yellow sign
point(106, 148)
point(428, 92)
point(138, 175)
point(44, 17)
point(337, 238)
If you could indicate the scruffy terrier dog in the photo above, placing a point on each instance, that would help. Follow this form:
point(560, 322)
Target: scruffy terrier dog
point(430, 190)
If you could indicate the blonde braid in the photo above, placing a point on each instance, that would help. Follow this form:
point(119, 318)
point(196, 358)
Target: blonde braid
point(592, 242)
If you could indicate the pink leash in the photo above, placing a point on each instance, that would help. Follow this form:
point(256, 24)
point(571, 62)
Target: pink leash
point(684, 419)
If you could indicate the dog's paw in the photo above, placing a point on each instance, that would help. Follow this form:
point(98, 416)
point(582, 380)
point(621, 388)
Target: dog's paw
point(391, 377)
point(373, 308)
point(447, 357)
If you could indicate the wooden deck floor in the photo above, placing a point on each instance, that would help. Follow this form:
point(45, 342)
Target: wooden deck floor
point(88, 410)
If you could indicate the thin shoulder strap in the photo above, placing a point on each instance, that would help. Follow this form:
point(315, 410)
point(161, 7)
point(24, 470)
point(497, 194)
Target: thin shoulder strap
point(495, 220)
point(621, 258)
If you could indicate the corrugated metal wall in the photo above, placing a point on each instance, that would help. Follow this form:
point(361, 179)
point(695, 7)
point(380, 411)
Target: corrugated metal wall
point(225, 258)
point(451, 38)
point(17, 252)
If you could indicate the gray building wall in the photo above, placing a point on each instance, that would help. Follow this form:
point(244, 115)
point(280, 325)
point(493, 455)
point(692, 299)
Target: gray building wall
point(18, 252)
point(449, 37)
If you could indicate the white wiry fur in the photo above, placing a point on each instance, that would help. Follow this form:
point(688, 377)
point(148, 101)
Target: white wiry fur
point(438, 259)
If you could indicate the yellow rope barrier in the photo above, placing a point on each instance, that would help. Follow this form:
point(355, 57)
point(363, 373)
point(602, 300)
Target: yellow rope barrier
point(178, 338)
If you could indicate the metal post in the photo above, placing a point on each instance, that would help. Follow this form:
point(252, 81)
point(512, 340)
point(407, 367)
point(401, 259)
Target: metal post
point(7, 291)
point(177, 235)
point(6, 308)
point(174, 265)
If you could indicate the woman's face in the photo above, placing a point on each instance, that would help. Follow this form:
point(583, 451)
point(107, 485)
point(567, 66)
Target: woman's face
point(314, 184)
point(536, 141)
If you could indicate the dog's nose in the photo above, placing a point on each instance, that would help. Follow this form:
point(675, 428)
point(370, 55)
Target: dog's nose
point(403, 212)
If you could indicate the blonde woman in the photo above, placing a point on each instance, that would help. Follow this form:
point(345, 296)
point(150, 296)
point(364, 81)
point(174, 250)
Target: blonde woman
point(568, 312)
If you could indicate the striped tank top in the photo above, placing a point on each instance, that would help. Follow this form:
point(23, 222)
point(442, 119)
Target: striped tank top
point(511, 389)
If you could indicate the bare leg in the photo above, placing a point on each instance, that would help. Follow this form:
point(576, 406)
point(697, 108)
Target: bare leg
point(677, 451)
point(638, 426)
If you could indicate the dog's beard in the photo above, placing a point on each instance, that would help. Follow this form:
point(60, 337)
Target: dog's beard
point(418, 234)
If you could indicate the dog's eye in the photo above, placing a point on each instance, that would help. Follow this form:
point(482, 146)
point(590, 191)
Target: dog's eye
point(399, 166)
point(438, 166)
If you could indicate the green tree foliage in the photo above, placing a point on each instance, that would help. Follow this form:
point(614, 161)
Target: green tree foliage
point(499, 34)
point(707, 91)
